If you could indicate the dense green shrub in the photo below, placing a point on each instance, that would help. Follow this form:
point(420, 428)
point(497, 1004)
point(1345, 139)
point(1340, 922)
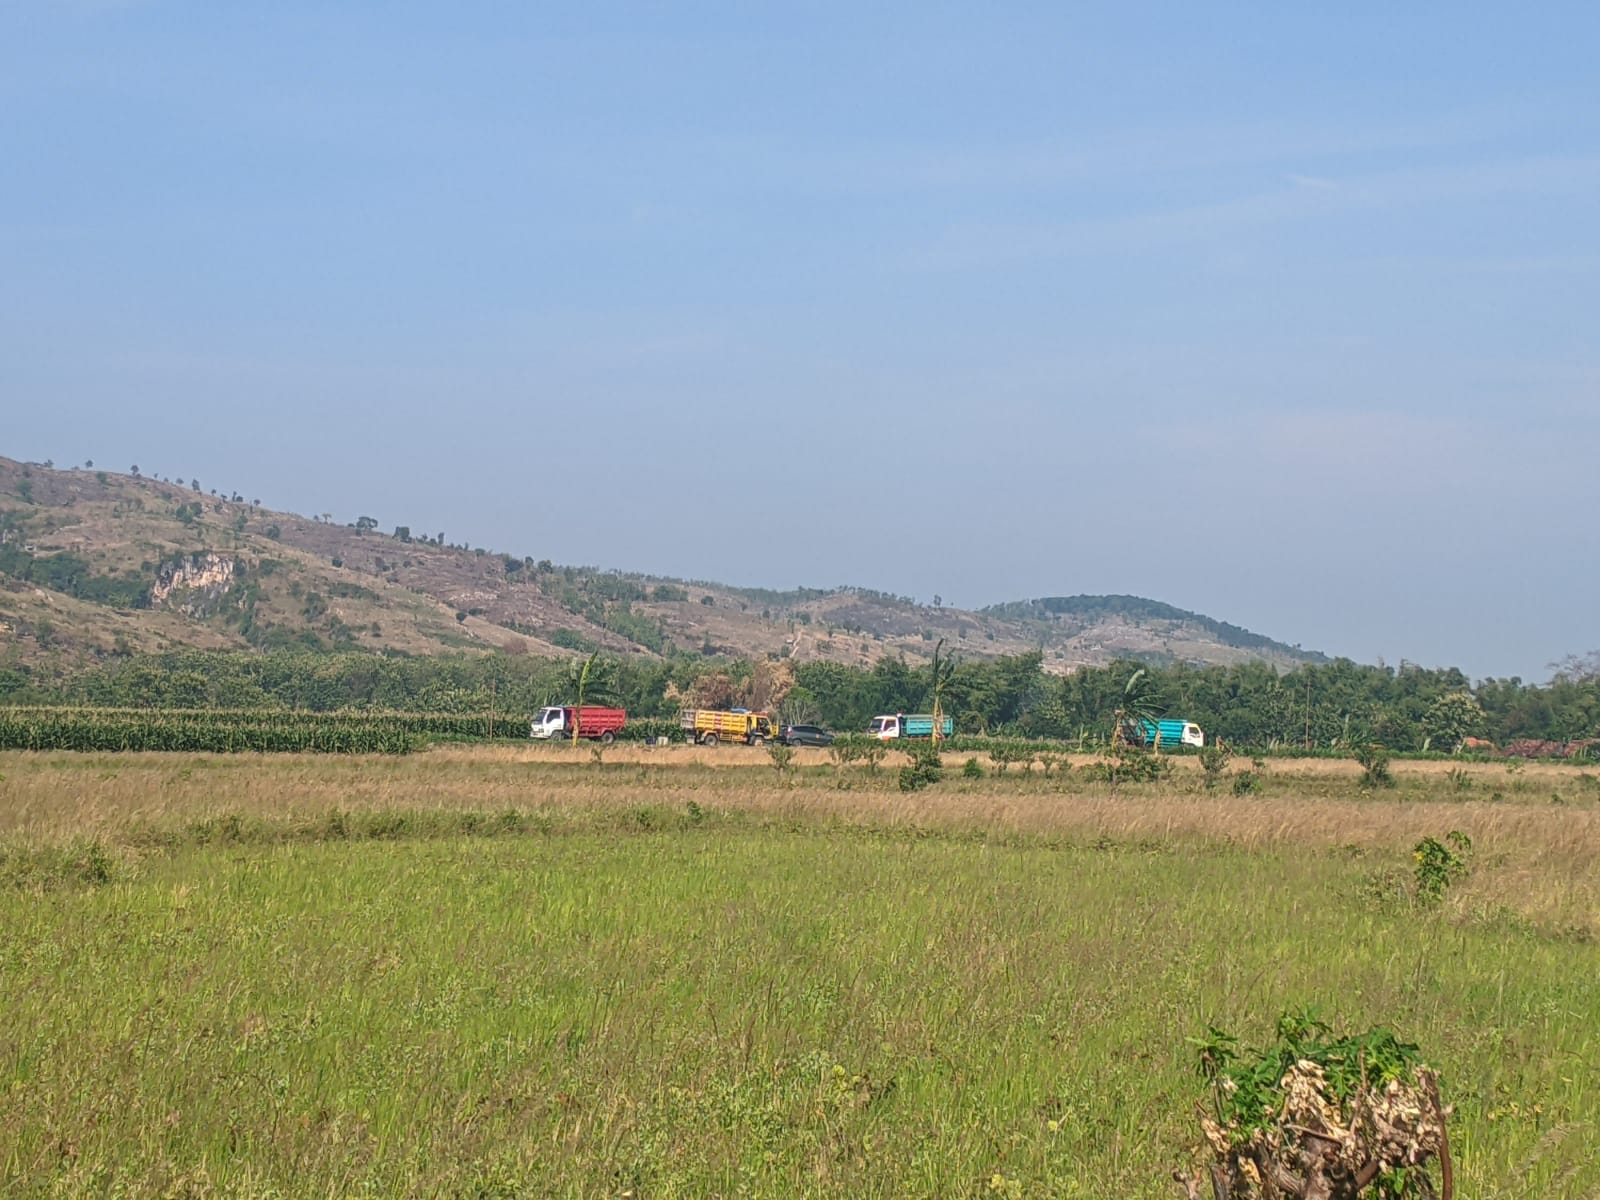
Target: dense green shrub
point(1374, 760)
point(924, 769)
point(1440, 864)
point(1214, 759)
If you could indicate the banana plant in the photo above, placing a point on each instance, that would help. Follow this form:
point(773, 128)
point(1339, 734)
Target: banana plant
point(1139, 708)
point(591, 679)
point(941, 671)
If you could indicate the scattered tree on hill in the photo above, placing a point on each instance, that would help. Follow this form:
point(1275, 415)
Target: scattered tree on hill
point(365, 523)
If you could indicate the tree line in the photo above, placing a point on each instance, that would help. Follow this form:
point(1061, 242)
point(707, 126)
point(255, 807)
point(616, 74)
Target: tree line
point(1316, 706)
point(1320, 706)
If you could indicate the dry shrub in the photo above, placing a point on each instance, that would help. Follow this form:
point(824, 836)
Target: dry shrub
point(712, 690)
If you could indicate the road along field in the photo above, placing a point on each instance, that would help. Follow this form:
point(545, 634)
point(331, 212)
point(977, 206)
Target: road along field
point(516, 971)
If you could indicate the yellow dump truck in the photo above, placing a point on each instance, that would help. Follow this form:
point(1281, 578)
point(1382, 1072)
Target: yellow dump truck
point(708, 726)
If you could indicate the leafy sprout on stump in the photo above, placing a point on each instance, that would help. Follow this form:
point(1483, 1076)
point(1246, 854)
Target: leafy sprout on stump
point(1319, 1117)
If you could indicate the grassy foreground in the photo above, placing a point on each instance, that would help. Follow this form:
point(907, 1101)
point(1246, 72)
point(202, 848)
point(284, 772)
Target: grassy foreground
point(495, 973)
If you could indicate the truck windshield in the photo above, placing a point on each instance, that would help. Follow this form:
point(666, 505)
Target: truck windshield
point(549, 714)
point(879, 724)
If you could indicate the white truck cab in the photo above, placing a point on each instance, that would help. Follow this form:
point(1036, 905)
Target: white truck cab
point(550, 723)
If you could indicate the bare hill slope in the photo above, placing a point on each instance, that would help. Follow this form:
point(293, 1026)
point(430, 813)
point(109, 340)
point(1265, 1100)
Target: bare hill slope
point(97, 562)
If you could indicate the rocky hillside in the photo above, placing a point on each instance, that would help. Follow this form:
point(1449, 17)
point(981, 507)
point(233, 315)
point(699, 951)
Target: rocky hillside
point(95, 562)
point(1086, 628)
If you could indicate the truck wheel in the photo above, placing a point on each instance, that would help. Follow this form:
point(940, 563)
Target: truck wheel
point(710, 739)
point(608, 737)
point(756, 739)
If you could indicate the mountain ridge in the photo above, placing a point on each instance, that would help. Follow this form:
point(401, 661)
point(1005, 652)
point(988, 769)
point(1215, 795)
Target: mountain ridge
point(95, 562)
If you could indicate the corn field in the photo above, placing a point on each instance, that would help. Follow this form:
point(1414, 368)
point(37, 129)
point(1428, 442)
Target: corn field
point(219, 731)
point(267, 730)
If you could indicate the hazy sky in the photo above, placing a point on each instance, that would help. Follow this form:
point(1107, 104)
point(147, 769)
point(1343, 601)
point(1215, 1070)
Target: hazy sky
point(1286, 313)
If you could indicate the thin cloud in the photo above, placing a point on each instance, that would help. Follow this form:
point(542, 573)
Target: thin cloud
point(990, 245)
point(1119, 154)
point(1376, 455)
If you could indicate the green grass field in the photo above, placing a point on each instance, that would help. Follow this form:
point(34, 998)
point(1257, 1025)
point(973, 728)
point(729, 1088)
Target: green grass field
point(329, 978)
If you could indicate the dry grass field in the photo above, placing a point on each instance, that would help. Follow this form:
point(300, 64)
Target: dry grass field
point(517, 971)
point(1539, 826)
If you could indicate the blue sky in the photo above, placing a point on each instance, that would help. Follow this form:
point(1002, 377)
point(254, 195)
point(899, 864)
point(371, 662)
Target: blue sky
point(1285, 315)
